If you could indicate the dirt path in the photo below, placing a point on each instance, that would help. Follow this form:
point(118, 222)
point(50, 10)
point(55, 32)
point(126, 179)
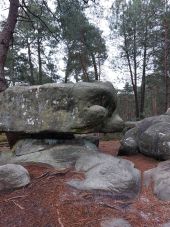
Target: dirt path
point(49, 202)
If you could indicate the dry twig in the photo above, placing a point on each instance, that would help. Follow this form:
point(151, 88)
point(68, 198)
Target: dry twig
point(22, 208)
point(16, 197)
point(59, 219)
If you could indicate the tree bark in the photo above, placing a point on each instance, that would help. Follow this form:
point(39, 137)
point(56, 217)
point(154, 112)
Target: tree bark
point(30, 63)
point(166, 62)
point(84, 68)
point(95, 67)
point(68, 68)
point(5, 37)
point(99, 67)
point(12, 68)
point(133, 76)
point(39, 57)
point(143, 84)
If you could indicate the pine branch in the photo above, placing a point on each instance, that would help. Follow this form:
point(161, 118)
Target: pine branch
point(40, 19)
point(28, 16)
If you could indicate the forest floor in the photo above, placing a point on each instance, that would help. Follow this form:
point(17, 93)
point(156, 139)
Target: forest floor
point(49, 202)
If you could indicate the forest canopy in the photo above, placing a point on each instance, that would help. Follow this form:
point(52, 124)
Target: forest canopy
point(37, 32)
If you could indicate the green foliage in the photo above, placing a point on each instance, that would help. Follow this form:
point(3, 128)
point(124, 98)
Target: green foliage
point(84, 43)
point(142, 25)
point(127, 88)
point(38, 32)
point(36, 36)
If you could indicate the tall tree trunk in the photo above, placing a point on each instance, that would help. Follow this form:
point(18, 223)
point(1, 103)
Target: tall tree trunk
point(84, 68)
point(30, 63)
point(66, 76)
point(5, 38)
point(166, 62)
point(67, 71)
point(143, 84)
point(99, 67)
point(39, 57)
point(95, 67)
point(12, 67)
point(154, 100)
point(133, 76)
point(133, 85)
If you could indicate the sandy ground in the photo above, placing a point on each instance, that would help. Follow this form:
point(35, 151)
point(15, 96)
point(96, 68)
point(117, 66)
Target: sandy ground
point(49, 202)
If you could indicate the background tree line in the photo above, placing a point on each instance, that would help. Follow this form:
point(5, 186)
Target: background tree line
point(39, 34)
point(42, 30)
point(143, 26)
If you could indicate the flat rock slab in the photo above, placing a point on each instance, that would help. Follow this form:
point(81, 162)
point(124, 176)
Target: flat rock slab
point(109, 175)
point(27, 146)
point(160, 176)
point(60, 108)
point(13, 176)
point(48, 152)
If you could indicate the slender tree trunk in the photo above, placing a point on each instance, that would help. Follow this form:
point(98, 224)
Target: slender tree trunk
point(30, 63)
point(143, 84)
point(39, 57)
point(66, 77)
point(95, 67)
point(83, 65)
point(67, 72)
point(166, 62)
point(154, 100)
point(5, 38)
point(133, 76)
point(12, 68)
point(133, 85)
point(99, 67)
point(76, 78)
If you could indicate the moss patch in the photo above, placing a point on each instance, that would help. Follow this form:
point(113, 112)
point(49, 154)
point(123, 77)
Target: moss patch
point(111, 136)
point(3, 137)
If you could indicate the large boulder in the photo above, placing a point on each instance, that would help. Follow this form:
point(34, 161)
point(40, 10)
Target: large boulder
point(128, 143)
point(60, 108)
point(108, 175)
point(151, 137)
point(13, 176)
point(160, 176)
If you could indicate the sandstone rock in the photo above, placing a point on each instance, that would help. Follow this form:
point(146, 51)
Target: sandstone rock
point(160, 176)
point(166, 224)
point(115, 222)
point(128, 143)
point(155, 141)
point(60, 108)
point(92, 138)
point(27, 146)
point(51, 152)
point(13, 176)
point(130, 124)
point(151, 137)
point(107, 174)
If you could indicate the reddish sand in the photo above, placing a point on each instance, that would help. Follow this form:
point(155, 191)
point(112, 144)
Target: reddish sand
point(49, 202)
